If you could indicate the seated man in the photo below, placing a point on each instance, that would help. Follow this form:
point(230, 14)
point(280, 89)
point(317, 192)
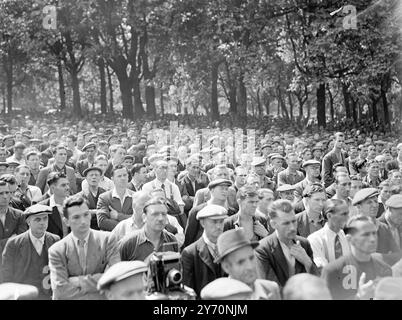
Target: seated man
point(78, 261)
point(283, 253)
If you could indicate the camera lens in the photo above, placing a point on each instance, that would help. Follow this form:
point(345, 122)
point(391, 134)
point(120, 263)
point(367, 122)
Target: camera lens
point(174, 277)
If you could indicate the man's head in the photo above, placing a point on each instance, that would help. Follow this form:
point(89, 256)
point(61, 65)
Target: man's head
point(373, 168)
point(220, 172)
point(70, 141)
point(161, 169)
point(283, 219)
point(120, 176)
point(37, 217)
point(58, 184)
point(314, 198)
point(219, 189)
point(286, 191)
point(371, 152)
point(125, 280)
point(60, 155)
point(342, 185)
point(395, 177)
point(339, 140)
point(77, 216)
point(93, 176)
point(22, 174)
point(293, 161)
point(211, 218)
point(304, 286)
point(363, 152)
point(193, 166)
point(258, 165)
point(312, 168)
point(118, 153)
point(385, 192)
point(139, 172)
point(366, 201)
point(265, 197)
point(394, 210)
point(236, 254)
point(90, 150)
point(33, 160)
point(11, 181)
point(337, 213)
point(5, 194)
point(240, 176)
point(247, 198)
point(19, 148)
point(362, 234)
point(253, 180)
point(155, 215)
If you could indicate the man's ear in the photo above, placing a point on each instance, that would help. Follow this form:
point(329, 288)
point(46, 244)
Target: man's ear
point(202, 223)
point(225, 266)
point(144, 217)
point(66, 221)
point(273, 223)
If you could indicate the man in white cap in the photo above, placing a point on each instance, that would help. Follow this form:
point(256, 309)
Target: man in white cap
point(312, 168)
point(198, 258)
point(291, 175)
point(393, 217)
point(125, 280)
point(236, 254)
point(25, 257)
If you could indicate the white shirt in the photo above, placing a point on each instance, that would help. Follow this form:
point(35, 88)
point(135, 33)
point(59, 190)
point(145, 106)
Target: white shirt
point(170, 188)
point(86, 242)
point(3, 218)
point(37, 242)
point(323, 245)
point(126, 195)
point(105, 183)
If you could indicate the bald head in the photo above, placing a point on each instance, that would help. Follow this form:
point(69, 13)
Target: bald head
point(304, 286)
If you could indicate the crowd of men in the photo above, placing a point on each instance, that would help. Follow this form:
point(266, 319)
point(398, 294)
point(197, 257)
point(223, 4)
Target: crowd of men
point(265, 215)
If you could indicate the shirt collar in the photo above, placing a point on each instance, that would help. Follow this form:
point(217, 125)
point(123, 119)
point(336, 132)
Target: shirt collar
point(207, 241)
point(35, 239)
point(52, 202)
point(115, 195)
point(143, 238)
point(329, 231)
point(85, 239)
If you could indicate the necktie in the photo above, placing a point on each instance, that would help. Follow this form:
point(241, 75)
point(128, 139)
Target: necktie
point(163, 187)
point(337, 247)
point(81, 254)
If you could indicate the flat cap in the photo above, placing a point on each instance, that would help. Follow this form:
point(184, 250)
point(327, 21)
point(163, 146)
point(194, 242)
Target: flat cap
point(316, 148)
point(35, 140)
point(389, 288)
point(277, 156)
point(37, 209)
point(212, 211)
point(120, 271)
point(17, 291)
point(155, 157)
point(395, 201)
point(103, 143)
point(13, 163)
point(215, 150)
point(89, 145)
point(258, 161)
point(364, 194)
point(7, 137)
point(219, 182)
point(111, 137)
point(225, 288)
point(87, 170)
point(19, 145)
point(310, 163)
point(266, 145)
point(4, 164)
point(285, 187)
point(51, 131)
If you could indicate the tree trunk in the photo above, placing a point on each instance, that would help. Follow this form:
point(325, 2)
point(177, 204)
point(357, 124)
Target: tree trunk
point(76, 93)
point(3, 92)
point(321, 119)
point(109, 78)
point(138, 107)
point(260, 112)
point(242, 99)
point(161, 101)
point(126, 93)
point(62, 91)
point(150, 101)
point(214, 92)
point(9, 72)
point(384, 88)
point(291, 105)
point(103, 99)
point(331, 104)
point(374, 110)
point(346, 99)
point(266, 102)
point(354, 111)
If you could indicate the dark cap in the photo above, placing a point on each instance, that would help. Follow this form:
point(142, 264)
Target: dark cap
point(219, 182)
point(92, 169)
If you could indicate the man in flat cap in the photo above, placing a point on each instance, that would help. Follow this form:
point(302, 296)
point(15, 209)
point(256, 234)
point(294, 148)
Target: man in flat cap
point(286, 191)
point(198, 258)
point(226, 289)
point(393, 217)
point(283, 254)
point(354, 276)
point(291, 175)
point(236, 255)
point(18, 155)
point(312, 169)
point(125, 280)
point(366, 201)
point(25, 257)
point(90, 151)
point(258, 167)
point(219, 191)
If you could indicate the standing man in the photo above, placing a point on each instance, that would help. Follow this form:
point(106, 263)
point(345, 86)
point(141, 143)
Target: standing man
point(291, 175)
point(336, 155)
point(236, 255)
point(60, 190)
point(330, 243)
point(33, 162)
point(152, 237)
point(18, 155)
point(25, 257)
point(115, 205)
point(283, 254)
point(59, 165)
point(258, 167)
point(78, 261)
point(199, 267)
point(354, 276)
point(393, 218)
point(11, 220)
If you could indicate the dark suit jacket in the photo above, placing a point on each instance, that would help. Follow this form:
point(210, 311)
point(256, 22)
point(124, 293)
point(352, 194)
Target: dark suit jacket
point(14, 224)
point(189, 192)
point(92, 203)
point(17, 256)
point(272, 264)
point(105, 201)
point(232, 202)
point(43, 174)
point(54, 225)
point(198, 266)
point(303, 225)
point(193, 229)
point(327, 162)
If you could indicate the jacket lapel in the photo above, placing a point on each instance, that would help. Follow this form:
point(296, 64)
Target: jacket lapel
point(9, 224)
point(204, 254)
point(26, 250)
point(92, 254)
point(280, 257)
point(116, 204)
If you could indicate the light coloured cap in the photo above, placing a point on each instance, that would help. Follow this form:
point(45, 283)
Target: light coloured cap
point(225, 289)
point(37, 209)
point(285, 187)
point(212, 211)
point(364, 194)
point(395, 201)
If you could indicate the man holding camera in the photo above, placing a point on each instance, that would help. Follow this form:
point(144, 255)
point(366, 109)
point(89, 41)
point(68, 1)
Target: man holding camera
point(152, 236)
point(199, 267)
